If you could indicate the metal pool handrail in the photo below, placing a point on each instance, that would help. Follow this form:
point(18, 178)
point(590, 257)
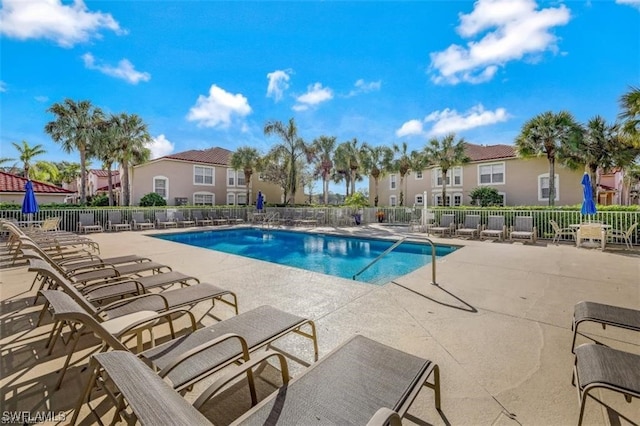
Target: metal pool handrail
point(380, 256)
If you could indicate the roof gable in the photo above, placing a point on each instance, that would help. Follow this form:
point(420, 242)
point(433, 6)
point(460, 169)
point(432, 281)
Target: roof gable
point(216, 155)
point(14, 183)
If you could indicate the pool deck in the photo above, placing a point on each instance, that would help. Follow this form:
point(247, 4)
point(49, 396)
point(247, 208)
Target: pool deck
point(497, 323)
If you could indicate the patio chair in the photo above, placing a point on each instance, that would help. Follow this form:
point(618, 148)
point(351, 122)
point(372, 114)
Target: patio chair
point(181, 220)
point(471, 226)
point(139, 222)
point(164, 222)
point(446, 226)
point(598, 366)
point(199, 218)
point(523, 229)
point(616, 235)
point(495, 228)
point(591, 232)
point(115, 222)
point(87, 223)
point(218, 218)
point(559, 232)
point(360, 380)
point(614, 316)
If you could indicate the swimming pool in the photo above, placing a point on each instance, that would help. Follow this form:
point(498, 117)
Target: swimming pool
point(340, 256)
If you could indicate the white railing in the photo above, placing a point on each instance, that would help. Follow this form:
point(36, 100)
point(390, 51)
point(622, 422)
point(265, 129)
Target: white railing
point(343, 216)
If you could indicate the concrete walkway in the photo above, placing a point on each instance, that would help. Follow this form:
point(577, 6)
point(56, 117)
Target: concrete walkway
point(497, 323)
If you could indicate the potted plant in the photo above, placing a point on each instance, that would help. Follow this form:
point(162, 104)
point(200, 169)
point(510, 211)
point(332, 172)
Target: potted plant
point(380, 216)
point(358, 201)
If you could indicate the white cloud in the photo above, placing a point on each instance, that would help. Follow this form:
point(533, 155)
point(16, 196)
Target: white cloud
point(512, 30)
point(42, 98)
point(160, 146)
point(278, 83)
point(362, 86)
point(315, 95)
point(65, 24)
point(218, 108)
point(3, 86)
point(125, 70)
point(632, 3)
point(411, 127)
point(448, 120)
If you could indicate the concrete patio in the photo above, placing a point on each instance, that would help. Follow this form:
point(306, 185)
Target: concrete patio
point(497, 323)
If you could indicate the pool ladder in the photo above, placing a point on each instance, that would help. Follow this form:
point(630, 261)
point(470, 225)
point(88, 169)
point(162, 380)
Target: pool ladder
point(396, 244)
point(269, 220)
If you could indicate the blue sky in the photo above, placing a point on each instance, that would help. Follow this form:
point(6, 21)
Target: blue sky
point(209, 73)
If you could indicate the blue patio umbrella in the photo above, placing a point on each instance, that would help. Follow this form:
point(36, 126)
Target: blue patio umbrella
point(260, 201)
point(588, 206)
point(29, 204)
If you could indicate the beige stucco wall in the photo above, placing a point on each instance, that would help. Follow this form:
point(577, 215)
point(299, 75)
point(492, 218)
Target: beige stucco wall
point(42, 198)
point(520, 186)
point(180, 176)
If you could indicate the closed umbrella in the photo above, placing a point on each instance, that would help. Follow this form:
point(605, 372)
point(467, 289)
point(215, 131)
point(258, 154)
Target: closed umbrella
point(260, 201)
point(29, 204)
point(588, 206)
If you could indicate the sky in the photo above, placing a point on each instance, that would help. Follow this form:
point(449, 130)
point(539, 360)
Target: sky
point(210, 73)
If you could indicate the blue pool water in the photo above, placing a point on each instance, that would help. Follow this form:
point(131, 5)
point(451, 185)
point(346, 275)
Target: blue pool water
point(328, 254)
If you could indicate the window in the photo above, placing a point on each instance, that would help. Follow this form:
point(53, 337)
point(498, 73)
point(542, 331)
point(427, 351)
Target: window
point(241, 199)
point(202, 175)
point(231, 177)
point(393, 181)
point(231, 199)
point(419, 175)
point(543, 187)
point(419, 200)
point(392, 201)
point(203, 199)
point(240, 178)
point(455, 172)
point(491, 174)
point(437, 200)
point(161, 186)
point(503, 195)
point(457, 199)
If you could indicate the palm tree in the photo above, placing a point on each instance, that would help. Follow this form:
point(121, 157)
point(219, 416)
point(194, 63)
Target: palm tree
point(44, 171)
point(548, 134)
point(630, 114)
point(247, 159)
point(27, 153)
point(69, 172)
point(446, 153)
point(75, 128)
point(292, 148)
point(377, 159)
point(348, 158)
point(131, 135)
point(107, 151)
point(404, 163)
point(322, 149)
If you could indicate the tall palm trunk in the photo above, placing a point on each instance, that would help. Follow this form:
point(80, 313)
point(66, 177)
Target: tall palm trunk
point(444, 186)
point(83, 176)
point(125, 183)
point(110, 185)
point(552, 181)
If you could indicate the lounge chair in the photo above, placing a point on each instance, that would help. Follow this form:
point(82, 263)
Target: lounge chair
point(163, 222)
point(471, 226)
point(200, 219)
point(361, 382)
point(446, 226)
point(495, 228)
point(598, 366)
point(591, 232)
point(181, 220)
point(87, 223)
point(616, 235)
point(115, 222)
point(559, 232)
point(600, 313)
point(523, 229)
point(139, 222)
point(218, 219)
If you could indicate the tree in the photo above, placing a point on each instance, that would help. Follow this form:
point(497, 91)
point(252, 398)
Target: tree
point(276, 170)
point(322, 150)
point(548, 134)
point(377, 159)
point(131, 137)
point(485, 196)
point(44, 171)
point(341, 169)
point(352, 152)
point(404, 163)
point(75, 128)
point(446, 153)
point(69, 172)
point(107, 151)
point(630, 114)
point(292, 147)
point(28, 153)
point(248, 160)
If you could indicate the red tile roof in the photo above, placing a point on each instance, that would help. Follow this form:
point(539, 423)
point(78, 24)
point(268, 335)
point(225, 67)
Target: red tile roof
point(116, 183)
point(12, 183)
point(489, 152)
point(215, 155)
point(104, 173)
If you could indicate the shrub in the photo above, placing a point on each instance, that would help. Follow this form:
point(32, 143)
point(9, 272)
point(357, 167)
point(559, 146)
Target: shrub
point(99, 201)
point(152, 199)
point(485, 196)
